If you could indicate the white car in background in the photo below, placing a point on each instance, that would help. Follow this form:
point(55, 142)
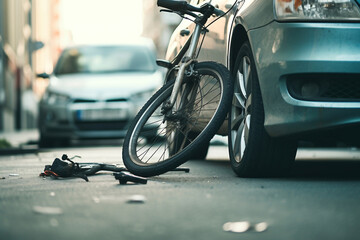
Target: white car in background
point(96, 90)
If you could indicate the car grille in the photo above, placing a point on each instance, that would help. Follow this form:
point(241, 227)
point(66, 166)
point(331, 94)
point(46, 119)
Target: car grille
point(101, 125)
point(324, 87)
point(84, 101)
point(79, 100)
point(117, 100)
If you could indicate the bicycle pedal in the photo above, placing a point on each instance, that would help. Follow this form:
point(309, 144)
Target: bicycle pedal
point(125, 177)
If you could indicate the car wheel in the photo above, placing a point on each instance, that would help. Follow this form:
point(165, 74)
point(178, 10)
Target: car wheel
point(253, 153)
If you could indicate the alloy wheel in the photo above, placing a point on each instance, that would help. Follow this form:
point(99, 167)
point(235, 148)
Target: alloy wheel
point(240, 112)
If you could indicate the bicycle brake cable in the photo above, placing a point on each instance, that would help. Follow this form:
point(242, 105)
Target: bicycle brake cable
point(222, 14)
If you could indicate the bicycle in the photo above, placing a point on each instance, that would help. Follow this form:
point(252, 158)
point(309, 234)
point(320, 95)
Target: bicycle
point(187, 110)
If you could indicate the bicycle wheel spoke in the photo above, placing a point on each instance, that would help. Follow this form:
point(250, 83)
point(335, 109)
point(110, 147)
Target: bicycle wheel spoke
point(201, 96)
point(141, 156)
point(208, 93)
point(214, 100)
point(203, 105)
point(148, 150)
point(210, 101)
point(199, 107)
point(152, 123)
point(153, 153)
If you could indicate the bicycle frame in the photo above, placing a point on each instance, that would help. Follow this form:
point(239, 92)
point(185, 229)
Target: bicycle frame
point(186, 60)
point(188, 54)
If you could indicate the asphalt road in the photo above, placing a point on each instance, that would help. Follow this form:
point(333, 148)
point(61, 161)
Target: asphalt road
point(318, 200)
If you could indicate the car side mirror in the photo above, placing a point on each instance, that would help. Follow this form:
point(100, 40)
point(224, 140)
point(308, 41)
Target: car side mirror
point(43, 75)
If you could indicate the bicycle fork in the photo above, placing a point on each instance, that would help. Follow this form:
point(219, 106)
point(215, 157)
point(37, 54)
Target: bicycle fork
point(185, 62)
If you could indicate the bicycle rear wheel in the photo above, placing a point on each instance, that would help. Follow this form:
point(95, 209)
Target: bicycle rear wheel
point(156, 143)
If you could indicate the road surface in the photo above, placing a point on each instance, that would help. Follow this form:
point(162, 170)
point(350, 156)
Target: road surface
point(318, 200)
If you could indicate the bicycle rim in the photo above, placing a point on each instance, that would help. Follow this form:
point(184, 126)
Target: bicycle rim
point(158, 143)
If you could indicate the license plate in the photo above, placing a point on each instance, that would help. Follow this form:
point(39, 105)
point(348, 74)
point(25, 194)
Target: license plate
point(101, 114)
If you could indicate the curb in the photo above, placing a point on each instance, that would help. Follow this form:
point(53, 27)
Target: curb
point(17, 151)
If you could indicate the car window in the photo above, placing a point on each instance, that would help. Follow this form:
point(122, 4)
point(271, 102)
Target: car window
point(105, 59)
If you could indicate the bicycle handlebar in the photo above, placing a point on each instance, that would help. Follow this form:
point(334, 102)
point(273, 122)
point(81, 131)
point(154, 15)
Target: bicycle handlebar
point(173, 5)
point(183, 6)
point(218, 12)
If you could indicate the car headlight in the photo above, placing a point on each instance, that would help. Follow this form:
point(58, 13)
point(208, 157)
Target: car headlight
point(55, 98)
point(316, 10)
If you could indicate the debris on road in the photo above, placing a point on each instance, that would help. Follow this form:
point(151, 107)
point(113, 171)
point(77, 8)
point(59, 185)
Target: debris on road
point(107, 199)
point(261, 227)
point(244, 226)
point(61, 168)
point(181, 169)
point(136, 199)
point(47, 210)
point(65, 167)
point(125, 177)
point(14, 175)
point(236, 227)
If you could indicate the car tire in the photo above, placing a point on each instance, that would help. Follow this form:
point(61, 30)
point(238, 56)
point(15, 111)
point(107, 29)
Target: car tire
point(253, 153)
point(201, 151)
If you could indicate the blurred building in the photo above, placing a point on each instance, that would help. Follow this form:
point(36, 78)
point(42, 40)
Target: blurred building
point(31, 38)
point(158, 26)
point(28, 42)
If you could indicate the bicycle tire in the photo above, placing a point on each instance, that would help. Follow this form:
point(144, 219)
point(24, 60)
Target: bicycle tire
point(186, 118)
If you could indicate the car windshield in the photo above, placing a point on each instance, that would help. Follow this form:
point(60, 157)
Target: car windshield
point(105, 59)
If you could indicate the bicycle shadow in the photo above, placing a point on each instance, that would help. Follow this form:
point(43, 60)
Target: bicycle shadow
point(311, 169)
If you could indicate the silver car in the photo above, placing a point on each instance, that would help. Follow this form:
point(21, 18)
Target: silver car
point(296, 68)
point(96, 90)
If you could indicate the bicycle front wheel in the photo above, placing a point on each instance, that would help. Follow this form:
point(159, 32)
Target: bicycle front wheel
point(156, 143)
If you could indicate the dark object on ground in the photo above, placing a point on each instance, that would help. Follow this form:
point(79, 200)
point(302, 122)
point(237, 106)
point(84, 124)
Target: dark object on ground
point(61, 168)
point(180, 169)
point(125, 177)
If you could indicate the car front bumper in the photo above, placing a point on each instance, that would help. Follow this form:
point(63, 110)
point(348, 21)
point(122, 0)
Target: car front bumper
point(284, 51)
point(85, 121)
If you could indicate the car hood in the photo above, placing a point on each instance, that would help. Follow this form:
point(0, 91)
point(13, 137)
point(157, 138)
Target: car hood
point(101, 86)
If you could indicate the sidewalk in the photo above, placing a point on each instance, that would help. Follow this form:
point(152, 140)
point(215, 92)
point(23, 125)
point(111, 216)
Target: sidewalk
point(21, 141)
